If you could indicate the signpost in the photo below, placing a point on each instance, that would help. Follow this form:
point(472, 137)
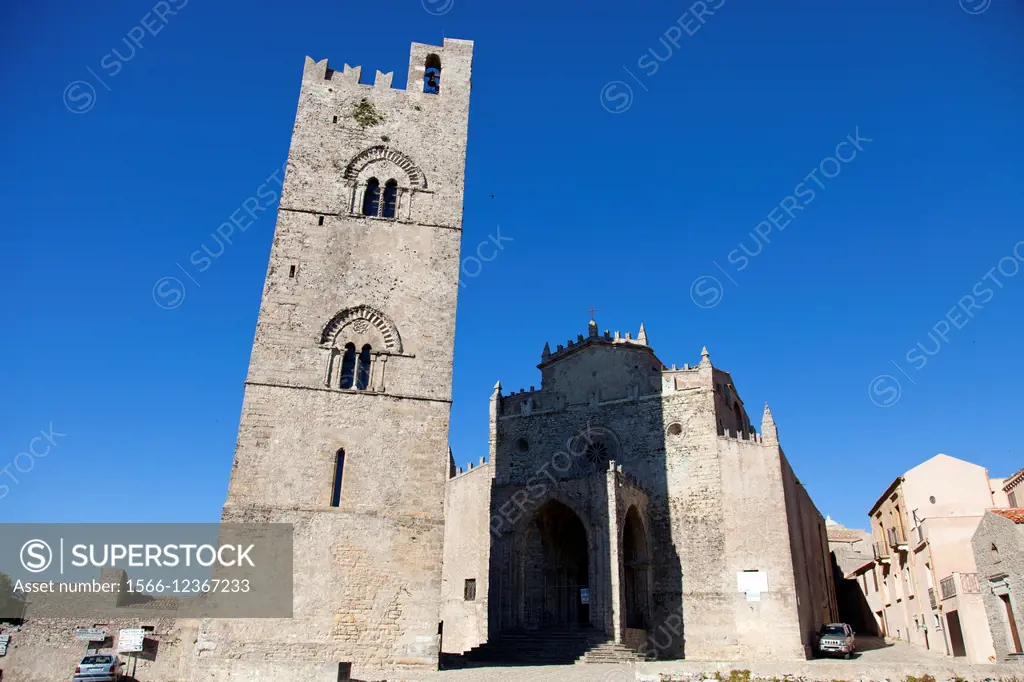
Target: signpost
point(131, 641)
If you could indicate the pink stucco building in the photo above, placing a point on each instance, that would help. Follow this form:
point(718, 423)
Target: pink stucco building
point(927, 583)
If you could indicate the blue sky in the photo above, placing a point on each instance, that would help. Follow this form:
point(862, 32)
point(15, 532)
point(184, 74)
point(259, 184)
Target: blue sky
point(628, 200)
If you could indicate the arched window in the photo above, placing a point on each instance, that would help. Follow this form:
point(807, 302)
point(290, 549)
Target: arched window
point(371, 201)
point(348, 366)
point(363, 371)
point(390, 198)
point(432, 75)
point(339, 470)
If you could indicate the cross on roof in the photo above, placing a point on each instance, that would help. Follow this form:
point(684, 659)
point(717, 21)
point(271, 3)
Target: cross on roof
point(592, 311)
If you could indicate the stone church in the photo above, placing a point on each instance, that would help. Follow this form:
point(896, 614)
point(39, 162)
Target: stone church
point(633, 500)
point(622, 498)
point(624, 503)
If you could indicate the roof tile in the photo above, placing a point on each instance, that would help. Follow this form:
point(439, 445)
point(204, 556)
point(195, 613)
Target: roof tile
point(1015, 514)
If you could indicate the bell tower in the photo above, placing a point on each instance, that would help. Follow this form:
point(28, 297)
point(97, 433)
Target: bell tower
point(344, 426)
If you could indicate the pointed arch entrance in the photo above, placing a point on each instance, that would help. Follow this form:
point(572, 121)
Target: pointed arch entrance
point(554, 569)
point(636, 560)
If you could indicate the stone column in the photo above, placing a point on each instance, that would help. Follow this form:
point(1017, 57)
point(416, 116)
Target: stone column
point(329, 369)
point(379, 361)
point(613, 608)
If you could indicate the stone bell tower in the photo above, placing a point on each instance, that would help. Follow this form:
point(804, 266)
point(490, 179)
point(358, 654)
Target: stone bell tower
point(344, 426)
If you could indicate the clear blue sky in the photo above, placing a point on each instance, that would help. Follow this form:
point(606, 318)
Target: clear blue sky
point(622, 211)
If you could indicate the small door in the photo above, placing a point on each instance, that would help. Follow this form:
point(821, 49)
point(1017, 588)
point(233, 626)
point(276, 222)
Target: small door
point(1012, 623)
point(956, 635)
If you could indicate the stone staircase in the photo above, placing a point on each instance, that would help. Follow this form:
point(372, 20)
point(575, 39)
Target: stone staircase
point(545, 647)
point(611, 652)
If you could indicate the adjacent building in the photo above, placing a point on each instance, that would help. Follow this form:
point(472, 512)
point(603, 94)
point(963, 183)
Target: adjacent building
point(924, 566)
point(998, 545)
point(856, 583)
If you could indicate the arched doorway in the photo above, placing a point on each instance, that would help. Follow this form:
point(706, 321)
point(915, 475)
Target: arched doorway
point(555, 568)
point(636, 561)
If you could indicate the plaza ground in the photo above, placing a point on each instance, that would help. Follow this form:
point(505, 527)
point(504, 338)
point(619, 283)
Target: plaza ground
point(875, 661)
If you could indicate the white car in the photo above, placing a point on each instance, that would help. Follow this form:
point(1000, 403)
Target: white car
point(98, 668)
point(837, 638)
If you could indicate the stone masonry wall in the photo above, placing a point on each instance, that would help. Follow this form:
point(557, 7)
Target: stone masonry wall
point(368, 571)
point(1004, 566)
point(467, 547)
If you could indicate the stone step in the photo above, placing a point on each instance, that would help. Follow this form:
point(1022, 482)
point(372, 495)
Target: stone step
point(611, 652)
point(548, 647)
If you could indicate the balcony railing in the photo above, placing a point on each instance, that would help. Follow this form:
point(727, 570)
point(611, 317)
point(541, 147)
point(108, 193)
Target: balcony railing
point(959, 583)
point(969, 583)
point(931, 597)
point(917, 535)
point(896, 537)
point(881, 551)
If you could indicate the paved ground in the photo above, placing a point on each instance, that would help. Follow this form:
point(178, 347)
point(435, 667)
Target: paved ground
point(875, 661)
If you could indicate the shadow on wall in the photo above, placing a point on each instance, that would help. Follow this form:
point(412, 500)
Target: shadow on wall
point(853, 605)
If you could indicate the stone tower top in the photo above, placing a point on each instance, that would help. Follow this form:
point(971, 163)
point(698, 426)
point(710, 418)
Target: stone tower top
point(594, 337)
point(451, 59)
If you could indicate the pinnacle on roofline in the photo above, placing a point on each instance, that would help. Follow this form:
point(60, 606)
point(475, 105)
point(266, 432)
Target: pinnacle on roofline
point(769, 431)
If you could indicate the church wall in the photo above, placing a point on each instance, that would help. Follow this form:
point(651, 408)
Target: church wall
point(811, 559)
point(467, 547)
point(758, 539)
point(606, 372)
point(366, 573)
point(687, 514)
point(350, 261)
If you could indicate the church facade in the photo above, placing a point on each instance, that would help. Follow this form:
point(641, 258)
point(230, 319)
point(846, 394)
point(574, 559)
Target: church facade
point(638, 500)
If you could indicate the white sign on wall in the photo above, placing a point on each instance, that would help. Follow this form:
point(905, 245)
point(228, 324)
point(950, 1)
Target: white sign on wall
point(130, 640)
point(584, 595)
point(91, 634)
point(4, 641)
point(752, 581)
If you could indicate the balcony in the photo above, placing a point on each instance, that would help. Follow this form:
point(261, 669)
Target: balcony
point(959, 583)
point(881, 551)
point(917, 535)
point(897, 540)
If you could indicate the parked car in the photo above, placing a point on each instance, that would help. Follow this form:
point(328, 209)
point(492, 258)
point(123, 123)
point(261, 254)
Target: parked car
point(837, 638)
point(98, 668)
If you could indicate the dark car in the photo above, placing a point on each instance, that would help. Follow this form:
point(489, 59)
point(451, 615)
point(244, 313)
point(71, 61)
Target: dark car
point(837, 638)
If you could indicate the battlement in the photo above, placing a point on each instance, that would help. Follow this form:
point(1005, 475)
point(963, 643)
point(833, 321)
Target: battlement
point(624, 478)
point(452, 62)
point(593, 338)
point(460, 472)
point(750, 437)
